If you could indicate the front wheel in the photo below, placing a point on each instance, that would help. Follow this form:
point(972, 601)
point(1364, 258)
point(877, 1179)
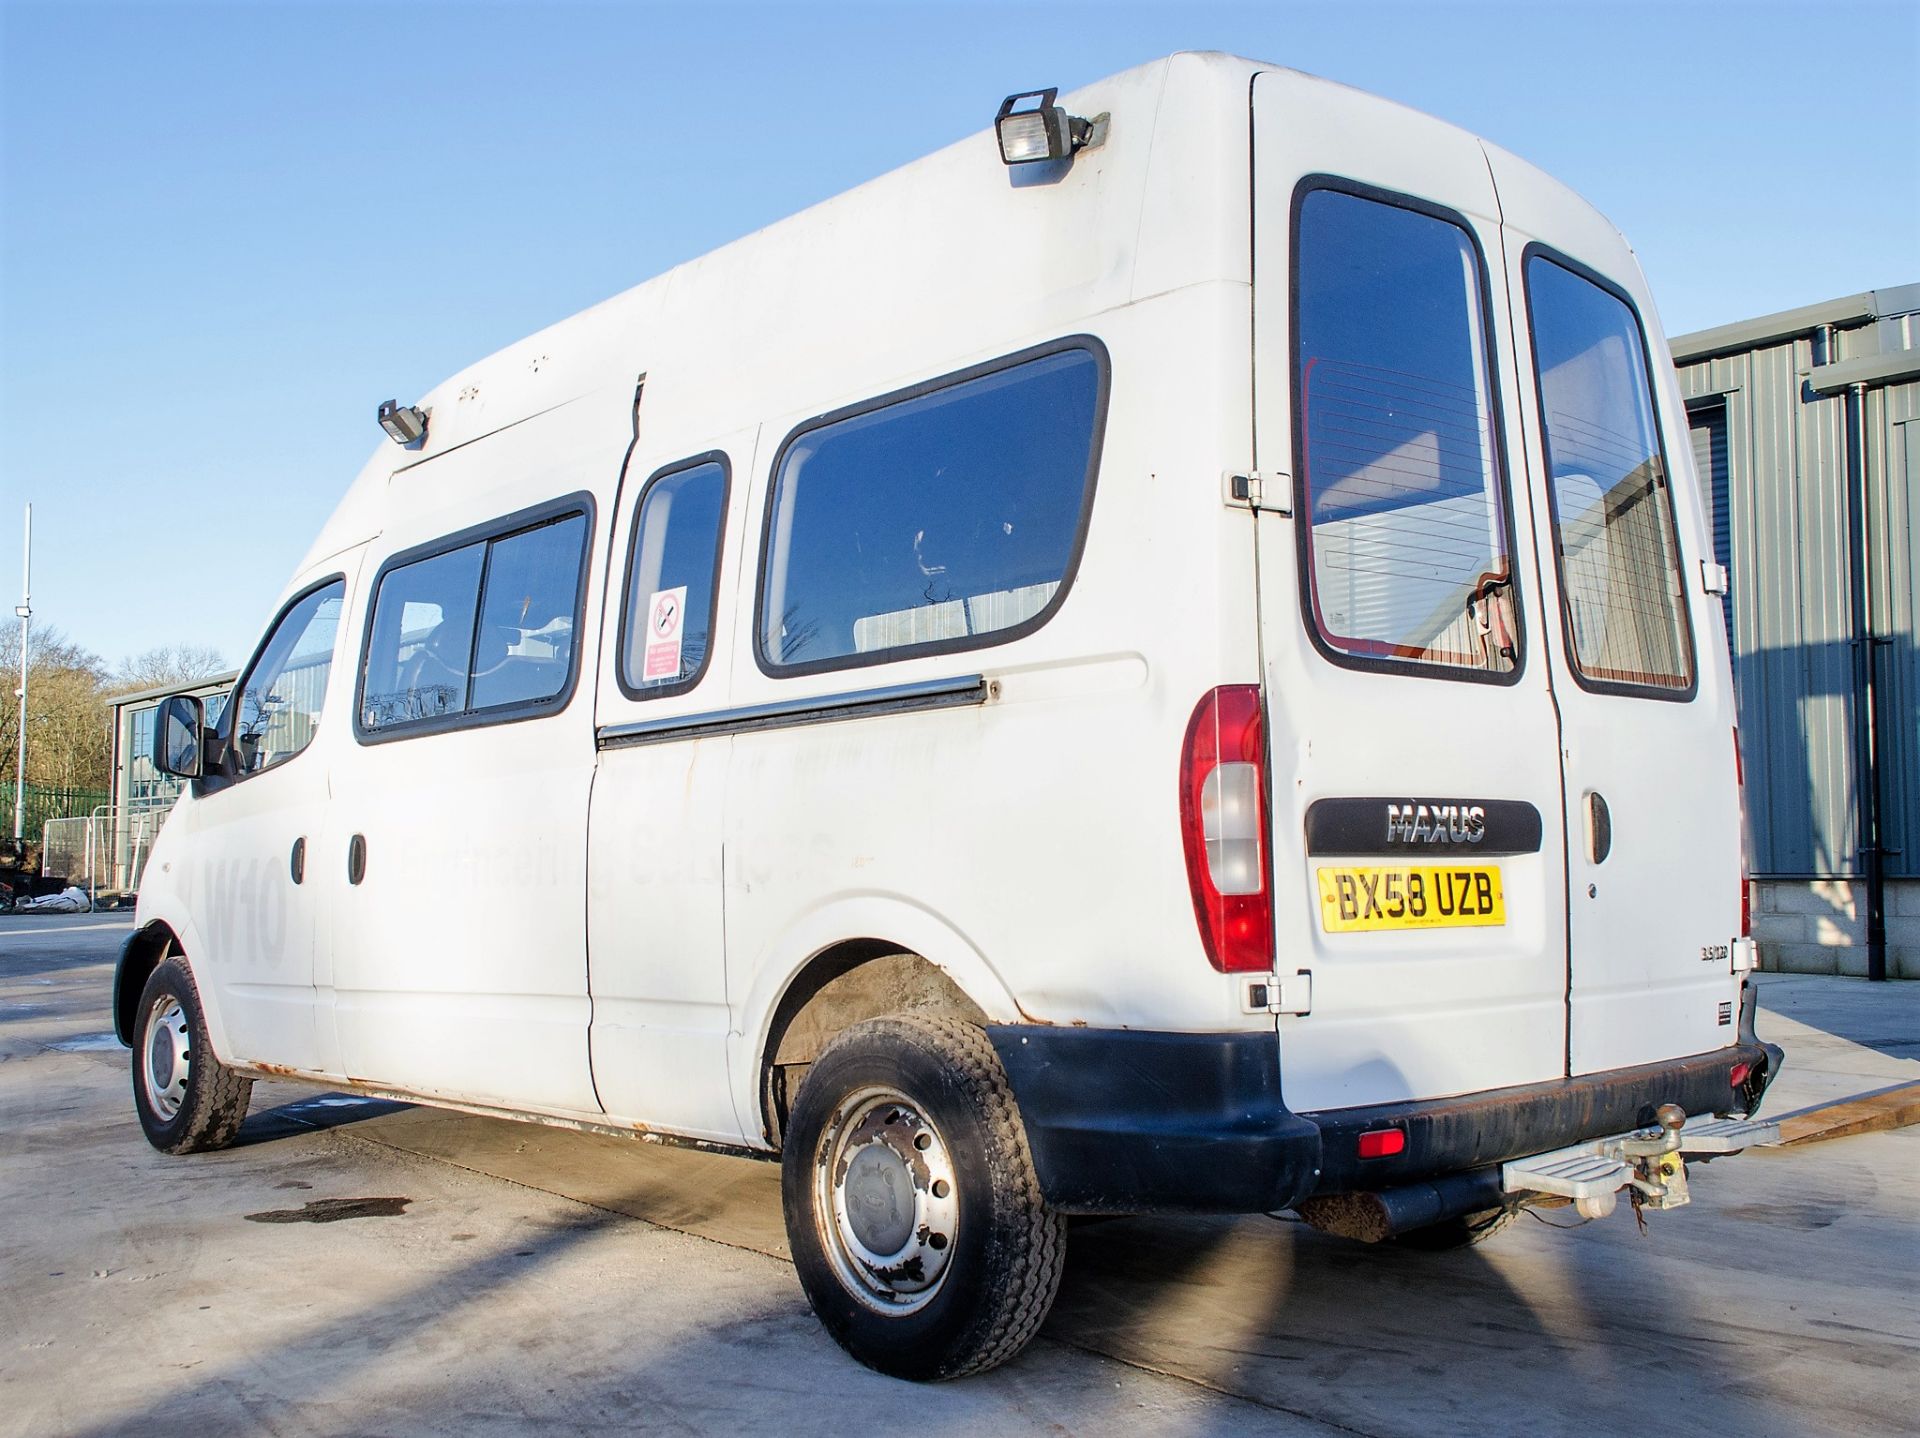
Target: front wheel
point(188, 1101)
point(913, 1210)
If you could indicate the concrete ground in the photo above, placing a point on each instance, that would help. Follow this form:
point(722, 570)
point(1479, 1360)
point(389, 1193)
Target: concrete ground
point(491, 1277)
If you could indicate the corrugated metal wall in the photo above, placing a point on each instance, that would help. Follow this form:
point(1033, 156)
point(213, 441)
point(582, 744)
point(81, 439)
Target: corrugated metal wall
point(1894, 469)
point(1783, 468)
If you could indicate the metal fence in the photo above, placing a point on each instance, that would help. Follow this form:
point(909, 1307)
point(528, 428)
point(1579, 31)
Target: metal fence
point(103, 852)
point(48, 801)
point(66, 851)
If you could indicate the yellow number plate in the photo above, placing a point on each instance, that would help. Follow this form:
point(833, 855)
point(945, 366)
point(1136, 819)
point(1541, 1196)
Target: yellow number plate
point(1415, 896)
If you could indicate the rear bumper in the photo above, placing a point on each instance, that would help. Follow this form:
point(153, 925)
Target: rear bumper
point(1127, 1121)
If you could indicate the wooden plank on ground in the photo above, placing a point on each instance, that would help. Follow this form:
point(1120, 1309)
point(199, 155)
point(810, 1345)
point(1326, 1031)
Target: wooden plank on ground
point(1896, 1108)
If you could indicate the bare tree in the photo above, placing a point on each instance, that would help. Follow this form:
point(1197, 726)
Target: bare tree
point(171, 664)
point(67, 711)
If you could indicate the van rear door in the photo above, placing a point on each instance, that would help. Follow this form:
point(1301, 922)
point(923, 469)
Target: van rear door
point(1637, 653)
point(1418, 843)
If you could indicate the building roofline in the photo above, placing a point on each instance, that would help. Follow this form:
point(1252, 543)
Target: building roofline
point(1789, 324)
point(1893, 368)
point(160, 691)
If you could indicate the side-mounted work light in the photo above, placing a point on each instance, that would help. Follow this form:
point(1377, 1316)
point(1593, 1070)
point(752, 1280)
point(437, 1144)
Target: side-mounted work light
point(1042, 130)
point(403, 424)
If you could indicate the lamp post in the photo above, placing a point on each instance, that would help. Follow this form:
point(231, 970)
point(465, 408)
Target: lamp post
point(25, 610)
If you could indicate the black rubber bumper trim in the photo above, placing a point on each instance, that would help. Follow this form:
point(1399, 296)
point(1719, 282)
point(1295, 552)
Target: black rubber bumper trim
point(1134, 1121)
point(1131, 1121)
point(1448, 1135)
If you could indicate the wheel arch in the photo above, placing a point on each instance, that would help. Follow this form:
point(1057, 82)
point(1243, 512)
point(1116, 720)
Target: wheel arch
point(921, 967)
point(145, 949)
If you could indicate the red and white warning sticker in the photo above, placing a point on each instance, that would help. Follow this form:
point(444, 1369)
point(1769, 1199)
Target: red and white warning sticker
point(666, 616)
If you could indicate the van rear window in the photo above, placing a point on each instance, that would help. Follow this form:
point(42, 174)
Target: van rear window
point(1407, 537)
point(1612, 504)
point(945, 519)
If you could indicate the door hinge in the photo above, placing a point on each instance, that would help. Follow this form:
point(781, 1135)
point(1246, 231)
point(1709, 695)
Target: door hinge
point(1713, 577)
point(1280, 994)
point(1261, 489)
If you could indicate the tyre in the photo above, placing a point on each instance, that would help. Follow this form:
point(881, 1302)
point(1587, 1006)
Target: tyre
point(188, 1101)
point(1451, 1233)
point(912, 1207)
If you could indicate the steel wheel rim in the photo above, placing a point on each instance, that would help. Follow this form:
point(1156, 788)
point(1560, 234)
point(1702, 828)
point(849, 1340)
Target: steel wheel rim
point(885, 1181)
point(167, 1062)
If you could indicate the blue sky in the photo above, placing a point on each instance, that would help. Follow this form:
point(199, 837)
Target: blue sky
point(228, 231)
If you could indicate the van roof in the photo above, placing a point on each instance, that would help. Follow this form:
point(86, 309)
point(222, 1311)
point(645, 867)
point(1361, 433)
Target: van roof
point(837, 301)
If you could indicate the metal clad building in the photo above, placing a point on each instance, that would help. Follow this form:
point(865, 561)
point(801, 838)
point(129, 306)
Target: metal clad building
point(1806, 432)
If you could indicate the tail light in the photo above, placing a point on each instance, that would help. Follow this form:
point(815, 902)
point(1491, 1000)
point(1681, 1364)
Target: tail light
point(1223, 824)
point(1746, 881)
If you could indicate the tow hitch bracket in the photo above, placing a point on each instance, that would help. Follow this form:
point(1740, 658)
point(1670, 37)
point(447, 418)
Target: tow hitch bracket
point(1650, 1162)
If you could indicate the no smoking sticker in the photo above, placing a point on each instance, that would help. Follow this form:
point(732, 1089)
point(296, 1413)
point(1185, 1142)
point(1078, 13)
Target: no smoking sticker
point(666, 613)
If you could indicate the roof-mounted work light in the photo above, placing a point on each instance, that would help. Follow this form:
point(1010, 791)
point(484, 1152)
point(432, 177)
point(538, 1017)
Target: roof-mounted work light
point(404, 425)
point(1041, 130)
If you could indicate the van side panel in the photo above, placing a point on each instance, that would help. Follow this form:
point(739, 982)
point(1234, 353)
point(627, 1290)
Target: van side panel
point(1041, 827)
point(656, 934)
point(459, 957)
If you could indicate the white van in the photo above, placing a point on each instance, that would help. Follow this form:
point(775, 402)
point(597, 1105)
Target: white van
point(1161, 659)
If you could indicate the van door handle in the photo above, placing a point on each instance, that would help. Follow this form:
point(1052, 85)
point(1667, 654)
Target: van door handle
point(297, 863)
point(356, 858)
point(1599, 828)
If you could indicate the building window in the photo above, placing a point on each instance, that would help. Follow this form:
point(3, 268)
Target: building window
point(944, 519)
point(1707, 429)
point(1406, 542)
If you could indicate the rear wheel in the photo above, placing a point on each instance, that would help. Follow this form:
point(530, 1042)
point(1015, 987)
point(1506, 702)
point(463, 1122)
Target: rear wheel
point(188, 1101)
point(913, 1211)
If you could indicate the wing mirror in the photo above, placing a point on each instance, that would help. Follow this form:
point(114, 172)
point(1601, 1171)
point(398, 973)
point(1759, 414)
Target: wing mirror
point(179, 742)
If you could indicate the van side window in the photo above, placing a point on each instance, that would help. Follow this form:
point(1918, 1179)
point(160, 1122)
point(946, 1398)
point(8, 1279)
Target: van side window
point(285, 690)
point(1613, 530)
point(1407, 549)
point(485, 629)
point(944, 519)
point(523, 651)
point(422, 638)
point(673, 573)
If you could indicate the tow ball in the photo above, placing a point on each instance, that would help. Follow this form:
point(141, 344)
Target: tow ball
point(1648, 1164)
point(1659, 1172)
point(1652, 1170)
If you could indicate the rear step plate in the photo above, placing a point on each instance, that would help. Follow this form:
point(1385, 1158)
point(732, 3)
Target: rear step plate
point(1576, 1174)
point(1727, 1135)
point(1599, 1166)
